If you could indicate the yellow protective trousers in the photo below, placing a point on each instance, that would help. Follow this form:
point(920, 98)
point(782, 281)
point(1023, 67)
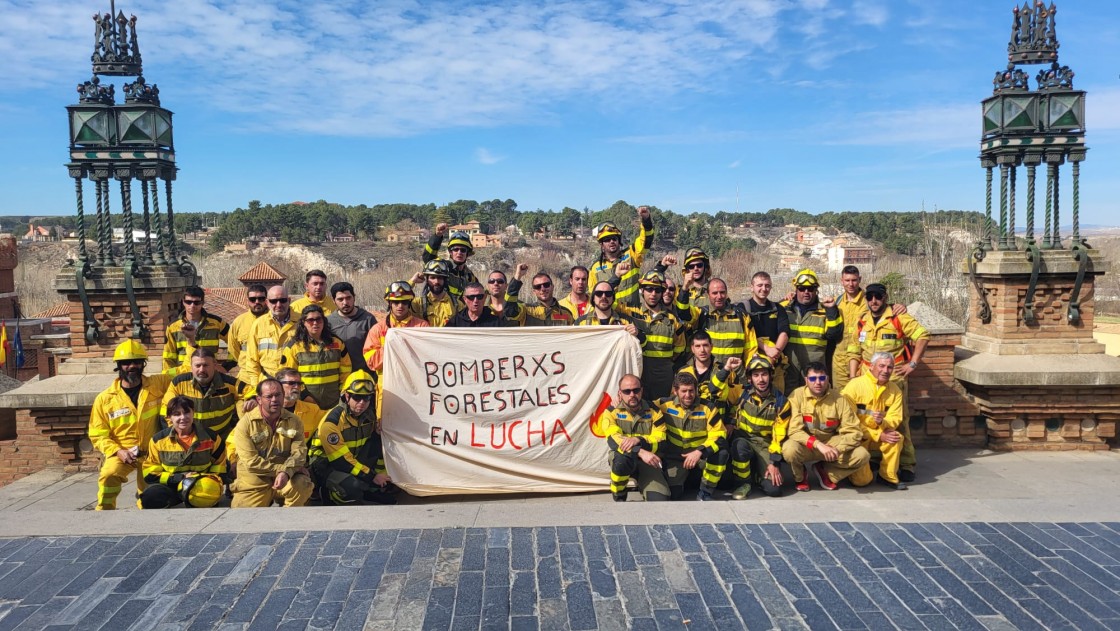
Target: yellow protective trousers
point(253, 491)
point(848, 464)
point(114, 473)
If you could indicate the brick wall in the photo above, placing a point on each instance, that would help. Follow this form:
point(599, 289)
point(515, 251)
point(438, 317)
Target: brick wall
point(1036, 418)
point(47, 438)
point(114, 320)
point(941, 413)
point(1051, 299)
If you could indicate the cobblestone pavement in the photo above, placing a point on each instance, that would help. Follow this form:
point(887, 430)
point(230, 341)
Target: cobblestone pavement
point(699, 576)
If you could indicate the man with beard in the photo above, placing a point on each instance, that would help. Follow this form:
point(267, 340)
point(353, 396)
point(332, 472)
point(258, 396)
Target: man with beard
point(611, 254)
point(434, 304)
point(634, 431)
point(346, 449)
point(123, 420)
point(814, 327)
point(315, 293)
point(664, 336)
point(459, 249)
point(263, 355)
point(603, 313)
point(878, 404)
point(399, 296)
point(825, 433)
point(548, 310)
point(271, 453)
point(882, 329)
point(761, 422)
point(695, 274)
point(350, 323)
point(730, 329)
point(213, 393)
point(476, 314)
point(306, 411)
point(239, 328)
point(578, 301)
point(194, 328)
point(771, 325)
point(498, 302)
point(695, 434)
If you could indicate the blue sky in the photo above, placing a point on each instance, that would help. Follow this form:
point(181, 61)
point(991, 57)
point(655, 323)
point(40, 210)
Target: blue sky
point(812, 104)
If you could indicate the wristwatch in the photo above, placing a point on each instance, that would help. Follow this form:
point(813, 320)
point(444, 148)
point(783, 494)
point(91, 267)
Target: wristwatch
point(913, 365)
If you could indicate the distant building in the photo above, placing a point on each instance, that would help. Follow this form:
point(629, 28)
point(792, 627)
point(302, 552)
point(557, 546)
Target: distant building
point(486, 241)
point(472, 227)
point(39, 233)
point(264, 274)
point(842, 255)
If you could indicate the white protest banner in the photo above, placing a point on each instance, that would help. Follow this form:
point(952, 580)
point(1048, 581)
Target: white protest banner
point(501, 410)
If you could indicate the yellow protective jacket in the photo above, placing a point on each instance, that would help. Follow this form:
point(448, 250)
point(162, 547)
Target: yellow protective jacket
point(574, 307)
point(214, 406)
point(868, 396)
point(323, 368)
point(460, 276)
point(698, 427)
point(309, 414)
point(115, 423)
point(616, 319)
point(238, 334)
point(176, 352)
point(554, 314)
point(851, 310)
point(266, 452)
point(716, 384)
point(263, 348)
point(892, 334)
point(647, 424)
point(327, 303)
point(830, 418)
point(767, 417)
point(602, 269)
point(811, 333)
point(168, 460)
point(344, 441)
point(439, 311)
point(664, 332)
point(731, 329)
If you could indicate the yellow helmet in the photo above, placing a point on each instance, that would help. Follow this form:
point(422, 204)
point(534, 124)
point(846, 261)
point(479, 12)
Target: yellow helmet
point(760, 362)
point(359, 382)
point(460, 238)
point(399, 291)
point(806, 278)
point(694, 255)
point(437, 267)
point(202, 491)
point(130, 350)
point(652, 279)
point(607, 230)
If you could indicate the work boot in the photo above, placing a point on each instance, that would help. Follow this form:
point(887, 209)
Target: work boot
point(619, 497)
point(822, 476)
point(898, 486)
point(906, 475)
point(803, 484)
point(742, 492)
point(703, 495)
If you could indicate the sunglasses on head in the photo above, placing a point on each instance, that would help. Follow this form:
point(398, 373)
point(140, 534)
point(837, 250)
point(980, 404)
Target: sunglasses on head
point(629, 391)
point(474, 297)
point(191, 302)
point(816, 378)
point(277, 301)
point(543, 285)
point(257, 299)
point(600, 294)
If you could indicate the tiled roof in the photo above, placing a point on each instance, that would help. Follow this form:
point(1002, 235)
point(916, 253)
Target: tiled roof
point(226, 302)
point(262, 271)
point(60, 310)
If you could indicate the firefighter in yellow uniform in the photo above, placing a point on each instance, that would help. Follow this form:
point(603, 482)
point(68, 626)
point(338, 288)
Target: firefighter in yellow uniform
point(663, 332)
point(727, 324)
point(712, 386)
point(435, 304)
point(346, 452)
point(123, 420)
point(263, 356)
point(824, 432)
point(882, 329)
point(194, 328)
point(762, 416)
point(695, 433)
point(315, 286)
point(634, 431)
point(185, 463)
point(815, 327)
point(320, 357)
point(213, 393)
point(271, 453)
point(459, 249)
point(611, 254)
point(852, 305)
point(696, 271)
point(878, 403)
point(399, 296)
point(239, 328)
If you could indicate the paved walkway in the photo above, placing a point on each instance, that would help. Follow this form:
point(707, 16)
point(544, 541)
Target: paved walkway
point(996, 541)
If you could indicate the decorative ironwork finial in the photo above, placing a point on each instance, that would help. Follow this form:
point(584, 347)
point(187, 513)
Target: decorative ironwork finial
point(1034, 39)
point(1055, 78)
point(1010, 80)
point(93, 92)
point(116, 51)
point(140, 92)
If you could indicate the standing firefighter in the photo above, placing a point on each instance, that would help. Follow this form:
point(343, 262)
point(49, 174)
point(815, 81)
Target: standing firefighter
point(664, 336)
point(320, 357)
point(634, 431)
point(761, 422)
point(123, 419)
point(435, 304)
point(399, 296)
point(459, 249)
point(611, 254)
point(695, 274)
point(695, 435)
point(346, 449)
point(814, 327)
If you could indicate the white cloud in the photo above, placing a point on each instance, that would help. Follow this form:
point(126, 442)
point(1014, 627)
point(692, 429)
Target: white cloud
point(951, 126)
point(735, 164)
point(484, 156)
point(870, 12)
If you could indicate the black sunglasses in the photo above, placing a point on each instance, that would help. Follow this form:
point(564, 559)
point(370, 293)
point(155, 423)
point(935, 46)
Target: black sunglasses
point(543, 285)
point(277, 301)
point(630, 390)
point(257, 299)
point(191, 302)
point(474, 297)
point(600, 294)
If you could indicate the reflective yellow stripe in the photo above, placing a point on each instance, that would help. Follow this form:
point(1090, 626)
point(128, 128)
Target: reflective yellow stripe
point(808, 341)
point(338, 453)
point(356, 469)
point(319, 367)
point(318, 380)
point(266, 345)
